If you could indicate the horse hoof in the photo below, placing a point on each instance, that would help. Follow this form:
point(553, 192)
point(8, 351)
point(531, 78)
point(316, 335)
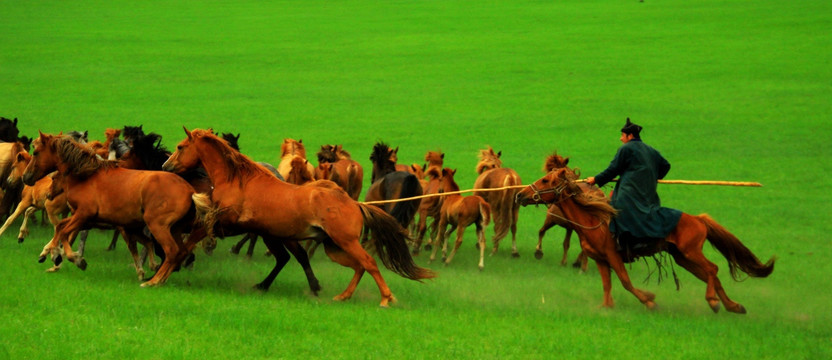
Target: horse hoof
point(20, 240)
point(42, 258)
point(82, 264)
point(739, 309)
point(261, 287)
point(515, 254)
point(651, 305)
point(428, 247)
point(57, 260)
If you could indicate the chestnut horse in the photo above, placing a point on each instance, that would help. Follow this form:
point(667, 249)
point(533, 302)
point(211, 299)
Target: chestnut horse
point(430, 205)
point(291, 149)
point(555, 217)
point(494, 175)
point(98, 191)
point(33, 198)
point(336, 165)
point(591, 215)
point(248, 197)
point(459, 212)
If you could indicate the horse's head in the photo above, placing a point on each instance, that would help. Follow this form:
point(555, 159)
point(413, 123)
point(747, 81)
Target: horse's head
point(8, 130)
point(327, 154)
point(299, 174)
point(551, 188)
point(489, 160)
point(292, 147)
point(81, 137)
point(111, 134)
point(18, 167)
point(44, 158)
point(417, 170)
point(232, 140)
point(131, 133)
point(446, 182)
point(384, 160)
point(323, 171)
point(186, 156)
point(554, 161)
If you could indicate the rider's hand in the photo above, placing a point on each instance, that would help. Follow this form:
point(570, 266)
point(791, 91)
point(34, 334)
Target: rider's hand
point(590, 180)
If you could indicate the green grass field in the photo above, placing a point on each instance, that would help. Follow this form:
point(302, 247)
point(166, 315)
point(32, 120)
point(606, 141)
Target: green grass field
point(727, 90)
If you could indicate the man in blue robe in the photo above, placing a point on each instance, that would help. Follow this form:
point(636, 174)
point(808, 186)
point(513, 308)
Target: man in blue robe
point(641, 219)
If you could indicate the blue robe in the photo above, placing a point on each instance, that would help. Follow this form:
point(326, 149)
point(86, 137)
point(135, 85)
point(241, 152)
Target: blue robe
point(639, 167)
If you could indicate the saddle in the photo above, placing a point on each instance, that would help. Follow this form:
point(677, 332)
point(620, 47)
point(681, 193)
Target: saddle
point(631, 247)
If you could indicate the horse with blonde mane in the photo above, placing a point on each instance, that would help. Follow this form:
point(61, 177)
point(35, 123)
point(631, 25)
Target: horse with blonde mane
point(99, 191)
point(291, 149)
point(247, 198)
point(591, 214)
point(493, 175)
point(459, 212)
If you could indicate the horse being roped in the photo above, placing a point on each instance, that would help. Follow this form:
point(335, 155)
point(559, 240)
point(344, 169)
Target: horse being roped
point(101, 192)
point(249, 198)
point(390, 184)
point(492, 175)
point(684, 243)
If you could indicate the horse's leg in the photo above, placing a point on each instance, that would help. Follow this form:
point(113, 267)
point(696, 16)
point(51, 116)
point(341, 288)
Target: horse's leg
point(582, 260)
point(239, 245)
point(70, 227)
point(514, 252)
point(340, 256)
point(604, 270)
point(301, 256)
point(82, 242)
point(547, 224)
point(281, 257)
point(251, 243)
point(312, 248)
point(481, 240)
point(130, 239)
point(21, 208)
point(113, 241)
point(706, 271)
point(566, 240)
point(24, 228)
point(172, 247)
point(421, 226)
point(617, 265)
point(353, 249)
point(440, 238)
point(459, 233)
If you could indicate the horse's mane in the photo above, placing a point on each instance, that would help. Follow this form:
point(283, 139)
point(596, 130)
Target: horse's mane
point(554, 161)
point(342, 154)
point(434, 172)
point(150, 151)
point(238, 163)
point(381, 158)
point(488, 159)
point(293, 147)
point(132, 132)
point(299, 174)
point(81, 160)
point(594, 203)
point(327, 154)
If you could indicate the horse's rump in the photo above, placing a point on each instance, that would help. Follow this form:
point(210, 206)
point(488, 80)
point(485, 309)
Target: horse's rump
point(397, 185)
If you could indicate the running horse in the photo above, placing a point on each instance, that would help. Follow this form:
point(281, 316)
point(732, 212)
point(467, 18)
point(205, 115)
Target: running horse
point(390, 184)
point(429, 206)
point(249, 198)
point(337, 165)
point(493, 175)
point(593, 213)
point(99, 191)
point(290, 150)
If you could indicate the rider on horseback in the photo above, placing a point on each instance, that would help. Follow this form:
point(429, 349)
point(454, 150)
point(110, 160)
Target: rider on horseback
point(641, 220)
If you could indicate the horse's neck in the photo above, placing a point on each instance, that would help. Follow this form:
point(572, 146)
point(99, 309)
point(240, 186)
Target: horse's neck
point(573, 212)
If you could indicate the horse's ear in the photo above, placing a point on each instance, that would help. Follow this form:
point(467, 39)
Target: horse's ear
point(453, 172)
point(300, 141)
point(86, 134)
point(499, 153)
point(42, 136)
point(566, 161)
point(237, 137)
point(15, 121)
point(338, 147)
point(190, 137)
point(211, 130)
point(442, 156)
point(20, 156)
point(396, 151)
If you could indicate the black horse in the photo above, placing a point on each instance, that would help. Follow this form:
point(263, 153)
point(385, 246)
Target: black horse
point(389, 184)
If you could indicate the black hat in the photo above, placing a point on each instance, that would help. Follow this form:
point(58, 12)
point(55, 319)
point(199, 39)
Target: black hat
point(631, 128)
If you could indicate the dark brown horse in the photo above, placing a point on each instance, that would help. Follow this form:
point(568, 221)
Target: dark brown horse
point(99, 191)
point(592, 214)
point(492, 176)
point(459, 212)
point(249, 198)
point(389, 184)
point(555, 217)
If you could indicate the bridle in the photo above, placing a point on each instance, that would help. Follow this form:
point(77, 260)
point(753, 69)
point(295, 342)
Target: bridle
point(536, 196)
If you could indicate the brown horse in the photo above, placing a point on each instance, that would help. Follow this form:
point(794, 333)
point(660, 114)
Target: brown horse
point(249, 198)
point(33, 198)
point(291, 149)
point(494, 175)
point(10, 192)
point(684, 243)
point(299, 173)
point(336, 165)
point(460, 212)
point(555, 217)
point(430, 205)
point(101, 192)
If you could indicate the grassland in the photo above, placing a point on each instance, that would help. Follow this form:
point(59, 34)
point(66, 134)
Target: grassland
point(736, 90)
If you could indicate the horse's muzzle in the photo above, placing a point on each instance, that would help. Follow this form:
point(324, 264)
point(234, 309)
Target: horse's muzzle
point(29, 179)
point(521, 199)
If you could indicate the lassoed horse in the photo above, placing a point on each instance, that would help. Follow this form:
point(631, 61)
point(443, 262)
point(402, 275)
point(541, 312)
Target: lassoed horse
point(459, 212)
point(98, 191)
point(249, 198)
point(684, 243)
point(493, 175)
point(555, 217)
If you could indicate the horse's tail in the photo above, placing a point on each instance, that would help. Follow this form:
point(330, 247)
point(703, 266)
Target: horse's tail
point(404, 211)
point(206, 215)
point(355, 174)
point(738, 256)
point(504, 206)
point(391, 242)
point(485, 213)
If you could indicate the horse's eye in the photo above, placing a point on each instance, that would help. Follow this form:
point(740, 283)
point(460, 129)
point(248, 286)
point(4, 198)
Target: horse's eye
point(179, 147)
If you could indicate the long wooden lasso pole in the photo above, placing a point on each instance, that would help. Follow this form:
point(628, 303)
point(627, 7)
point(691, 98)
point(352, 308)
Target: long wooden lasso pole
point(674, 182)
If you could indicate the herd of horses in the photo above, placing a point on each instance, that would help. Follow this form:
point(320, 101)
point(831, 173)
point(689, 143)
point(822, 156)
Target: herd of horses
point(206, 188)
